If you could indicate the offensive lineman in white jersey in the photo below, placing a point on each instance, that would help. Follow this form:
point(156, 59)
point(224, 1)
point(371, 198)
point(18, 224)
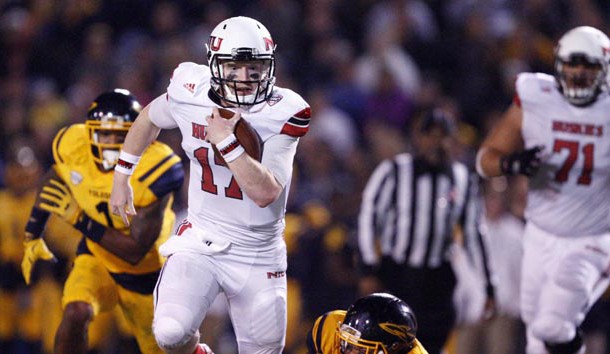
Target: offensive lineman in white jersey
point(232, 240)
point(557, 132)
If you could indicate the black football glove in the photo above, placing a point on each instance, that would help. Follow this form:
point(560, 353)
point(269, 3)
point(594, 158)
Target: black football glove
point(525, 162)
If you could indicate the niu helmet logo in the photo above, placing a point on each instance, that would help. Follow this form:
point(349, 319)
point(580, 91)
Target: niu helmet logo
point(215, 43)
point(400, 331)
point(268, 43)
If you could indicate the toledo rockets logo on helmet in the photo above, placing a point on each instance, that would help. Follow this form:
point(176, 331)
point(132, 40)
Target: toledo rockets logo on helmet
point(108, 120)
point(378, 323)
point(245, 41)
point(587, 47)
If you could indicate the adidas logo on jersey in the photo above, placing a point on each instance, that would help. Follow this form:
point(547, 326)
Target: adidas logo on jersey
point(190, 87)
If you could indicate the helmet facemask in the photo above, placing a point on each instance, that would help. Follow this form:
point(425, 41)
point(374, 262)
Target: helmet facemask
point(581, 79)
point(104, 147)
point(255, 85)
point(351, 342)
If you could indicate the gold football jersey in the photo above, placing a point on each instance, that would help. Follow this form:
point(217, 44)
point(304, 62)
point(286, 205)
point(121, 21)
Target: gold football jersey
point(158, 173)
point(323, 339)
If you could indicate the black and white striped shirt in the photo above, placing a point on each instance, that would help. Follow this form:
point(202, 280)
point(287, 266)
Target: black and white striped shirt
point(409, 212)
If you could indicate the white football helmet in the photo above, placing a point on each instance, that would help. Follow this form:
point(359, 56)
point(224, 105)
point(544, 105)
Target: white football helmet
point(590, 47)
point(240, 39)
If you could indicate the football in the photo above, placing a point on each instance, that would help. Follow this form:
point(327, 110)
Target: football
point(245, 134)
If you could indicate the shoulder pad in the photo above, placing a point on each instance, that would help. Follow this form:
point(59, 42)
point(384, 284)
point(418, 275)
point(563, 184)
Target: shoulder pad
point(189, 81)
point(531, 87)
point(71, 144)
point(156, 159)
point(160, 169)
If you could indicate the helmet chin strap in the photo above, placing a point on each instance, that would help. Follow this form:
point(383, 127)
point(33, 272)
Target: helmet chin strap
point(582, 96)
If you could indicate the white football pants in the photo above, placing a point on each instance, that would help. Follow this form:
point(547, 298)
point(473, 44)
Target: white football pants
point(562, 277)
point(255, 286)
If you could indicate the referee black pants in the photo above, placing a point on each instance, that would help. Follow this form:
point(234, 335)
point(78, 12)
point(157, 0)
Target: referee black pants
point(429, 293)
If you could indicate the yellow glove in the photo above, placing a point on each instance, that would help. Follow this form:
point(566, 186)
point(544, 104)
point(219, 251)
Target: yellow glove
point(34, 250)
point(56, 198)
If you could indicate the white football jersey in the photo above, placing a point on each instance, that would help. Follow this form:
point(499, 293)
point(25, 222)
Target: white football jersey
point(215, 201)
point(570, 194)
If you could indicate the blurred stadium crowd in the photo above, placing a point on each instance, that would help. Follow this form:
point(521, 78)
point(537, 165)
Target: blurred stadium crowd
point(367, 67)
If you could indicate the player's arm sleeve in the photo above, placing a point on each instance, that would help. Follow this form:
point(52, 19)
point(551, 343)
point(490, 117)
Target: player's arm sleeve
point(278, 156)
point(170, 180)
point(160, 114)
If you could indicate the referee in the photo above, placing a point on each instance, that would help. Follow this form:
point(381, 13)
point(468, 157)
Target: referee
point(413, 208)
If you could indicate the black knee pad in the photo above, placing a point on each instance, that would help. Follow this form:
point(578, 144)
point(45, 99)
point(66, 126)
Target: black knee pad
point(570, 347)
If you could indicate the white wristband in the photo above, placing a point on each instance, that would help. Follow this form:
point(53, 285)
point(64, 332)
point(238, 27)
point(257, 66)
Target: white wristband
point(230, 148)
point(479, 165)
point(235, 153)
point(126, 163)
point(230, 139)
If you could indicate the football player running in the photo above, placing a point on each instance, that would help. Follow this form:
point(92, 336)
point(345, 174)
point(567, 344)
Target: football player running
point(379, 323)
point(232, 240)
point(556, 132)
point(116, 264)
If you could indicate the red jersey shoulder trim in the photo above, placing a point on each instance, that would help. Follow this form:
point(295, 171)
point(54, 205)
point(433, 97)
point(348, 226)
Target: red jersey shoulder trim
point(297, 125)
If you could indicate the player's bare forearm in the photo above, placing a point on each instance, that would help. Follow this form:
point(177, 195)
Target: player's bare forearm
point(255, 180)
point(144, 231)
point(146, 226)
point(504, 138)
point(141, 134)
